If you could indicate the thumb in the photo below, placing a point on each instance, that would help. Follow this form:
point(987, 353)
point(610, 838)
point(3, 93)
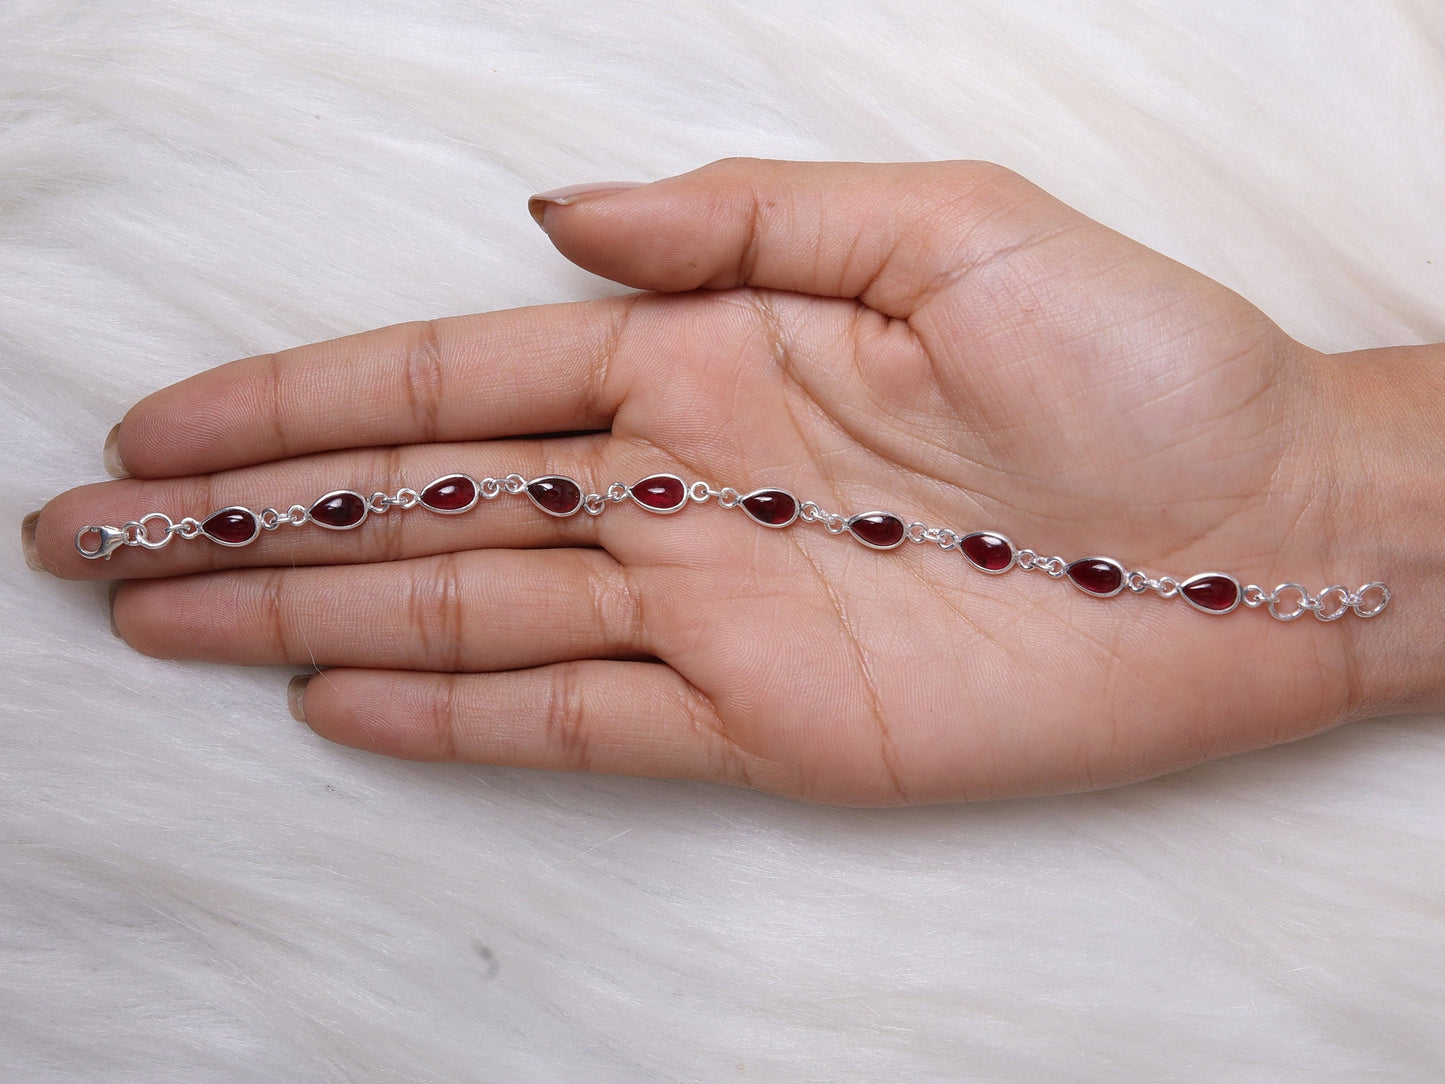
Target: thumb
point(889, 235)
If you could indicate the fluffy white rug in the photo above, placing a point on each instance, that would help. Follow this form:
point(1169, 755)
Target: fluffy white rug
point(193, 887)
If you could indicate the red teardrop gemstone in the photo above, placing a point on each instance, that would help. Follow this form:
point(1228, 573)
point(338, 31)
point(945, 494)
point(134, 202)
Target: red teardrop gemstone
point(771, 507)
point(231, 526)
point(660, 493)
point(556, 495)
point(1212, 591)
point(339, 511)
point(1097, 575)
point(454, 493)
point(881, 530)
point(990, 552)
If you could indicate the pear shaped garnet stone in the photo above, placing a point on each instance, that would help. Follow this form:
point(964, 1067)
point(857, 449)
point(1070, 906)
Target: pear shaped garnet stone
point(231, 526)
point(1212, 592)
point(338, 511)
point(557, 496)
point(879, 530)
point(987, 551)
point(771, 507)
point(450, 495)
point(660, 493)
point(1097, 575)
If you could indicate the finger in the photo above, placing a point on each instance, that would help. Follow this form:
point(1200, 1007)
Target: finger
point(526, 371)
point(507, 520)
point(474, 611)
point(623, 718)
point(889, 235)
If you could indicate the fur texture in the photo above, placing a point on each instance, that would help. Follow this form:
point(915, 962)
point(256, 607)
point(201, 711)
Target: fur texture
point(192, 887)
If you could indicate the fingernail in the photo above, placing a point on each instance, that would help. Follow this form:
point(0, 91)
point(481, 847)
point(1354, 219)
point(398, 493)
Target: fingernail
point(574, 193)
point(113, 590)
point(110, 455)
point(27, 542)
point(296, 694)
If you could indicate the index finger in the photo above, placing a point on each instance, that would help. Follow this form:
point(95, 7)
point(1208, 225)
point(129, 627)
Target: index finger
point(517, 372)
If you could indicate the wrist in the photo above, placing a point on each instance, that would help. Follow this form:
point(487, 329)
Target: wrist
point(1387, 460)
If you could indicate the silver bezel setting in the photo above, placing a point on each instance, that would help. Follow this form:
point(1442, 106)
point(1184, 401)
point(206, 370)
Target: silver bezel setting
point(581, 495)
point(1238, 592)
point(476, 495)
point(365, 510)
point(1123, 575)
point(1013, 551)
point(848, 526)
point(797, 507)
point(681, 504)
point(255, 522)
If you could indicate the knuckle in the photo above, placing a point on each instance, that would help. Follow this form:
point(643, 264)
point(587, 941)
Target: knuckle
point(733, 166)
point(274, 618)
point(983, 172)
point(616, 606)
point(444, 717)
point(598, 391)
point(984, 190)
point(566, 719)
point(423, 376)
point(434, 611)
point(273, 386)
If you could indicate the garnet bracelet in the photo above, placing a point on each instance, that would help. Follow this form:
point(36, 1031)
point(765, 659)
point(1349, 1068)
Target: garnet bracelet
point(664, 494)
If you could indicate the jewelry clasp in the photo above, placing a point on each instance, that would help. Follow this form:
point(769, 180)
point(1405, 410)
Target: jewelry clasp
point(111, 540)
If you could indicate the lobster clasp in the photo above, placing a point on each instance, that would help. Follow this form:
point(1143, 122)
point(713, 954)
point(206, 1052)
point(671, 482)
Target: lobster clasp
point(107, 541)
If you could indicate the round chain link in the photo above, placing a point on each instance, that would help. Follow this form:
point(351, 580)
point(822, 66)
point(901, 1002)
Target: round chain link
point(1278, 595)
point(143, 531)
point(1324, 612)
point(1365, 609)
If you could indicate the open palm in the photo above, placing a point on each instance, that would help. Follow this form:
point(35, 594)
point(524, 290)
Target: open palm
point(944, 342)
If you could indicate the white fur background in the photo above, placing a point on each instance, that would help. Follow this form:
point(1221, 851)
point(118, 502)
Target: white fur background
point(193, 887)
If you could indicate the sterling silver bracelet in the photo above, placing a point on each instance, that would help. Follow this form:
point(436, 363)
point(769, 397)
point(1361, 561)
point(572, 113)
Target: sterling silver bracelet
point(664, 494)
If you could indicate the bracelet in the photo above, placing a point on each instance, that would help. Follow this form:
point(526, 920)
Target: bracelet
point(664, 494)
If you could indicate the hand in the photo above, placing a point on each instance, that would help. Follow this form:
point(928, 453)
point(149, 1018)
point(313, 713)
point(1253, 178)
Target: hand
point(943, 341)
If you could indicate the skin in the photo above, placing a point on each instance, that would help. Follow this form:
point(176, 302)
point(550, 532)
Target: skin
point(945, 341)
